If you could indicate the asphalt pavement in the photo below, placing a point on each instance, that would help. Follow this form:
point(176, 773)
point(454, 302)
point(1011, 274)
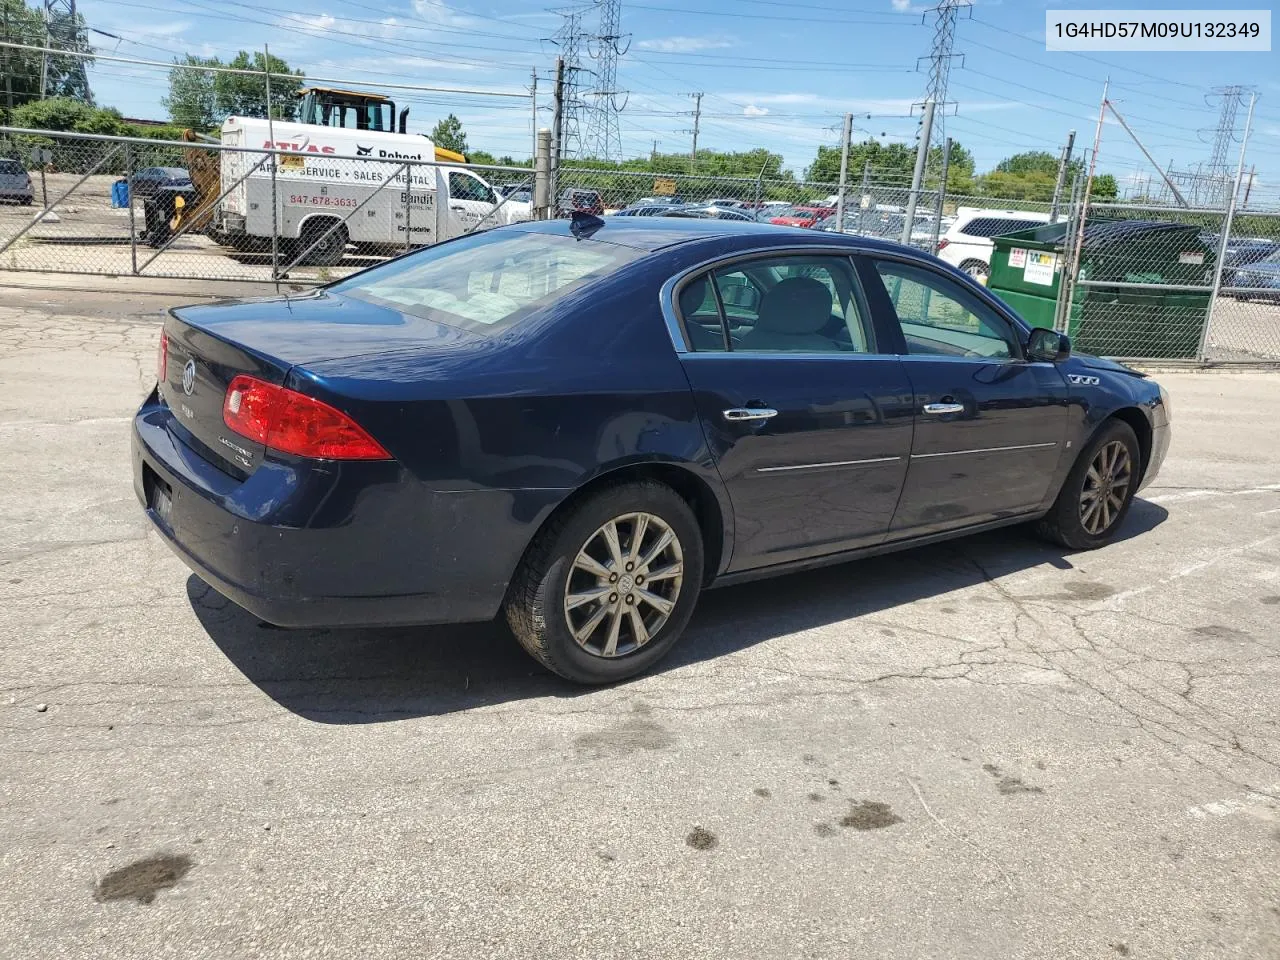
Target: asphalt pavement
point(986, 749)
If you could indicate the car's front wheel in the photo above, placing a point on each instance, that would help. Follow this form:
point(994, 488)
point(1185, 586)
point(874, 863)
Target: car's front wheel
point(1098, 491)
point(976, 269)
point(607, 588)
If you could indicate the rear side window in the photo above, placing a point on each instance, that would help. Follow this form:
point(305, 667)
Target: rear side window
point(11, 167)
point(487, 281)
point(790, 304)
point(995, 226)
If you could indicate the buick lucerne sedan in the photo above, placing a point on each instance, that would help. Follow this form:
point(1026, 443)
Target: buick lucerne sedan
point(580, 425)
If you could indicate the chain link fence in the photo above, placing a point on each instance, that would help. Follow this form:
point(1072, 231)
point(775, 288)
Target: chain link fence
point(1159, 283)
point(202, 210)
point(1149, 281)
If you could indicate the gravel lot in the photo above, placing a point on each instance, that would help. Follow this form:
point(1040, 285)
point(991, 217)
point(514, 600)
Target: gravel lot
point(977, 750)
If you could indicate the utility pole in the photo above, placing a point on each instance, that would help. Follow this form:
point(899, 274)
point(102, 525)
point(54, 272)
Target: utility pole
point(844, 170)
point(8, 75)
point(533, 99)
point(1063, 165)
point(697, 120)
point(1248, 187)
point(557, 125)
point(917, 176)
point(653, 154)
point(569, 39)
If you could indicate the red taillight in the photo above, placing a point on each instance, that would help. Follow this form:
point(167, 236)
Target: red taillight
point(162, 358)
point(292, 422)
point(942, 243)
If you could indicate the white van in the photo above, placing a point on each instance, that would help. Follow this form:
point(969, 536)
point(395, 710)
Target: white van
point(967, 243)
point(316, 189)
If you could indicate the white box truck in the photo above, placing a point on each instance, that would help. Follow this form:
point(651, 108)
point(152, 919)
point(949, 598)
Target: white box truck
point(370, 199)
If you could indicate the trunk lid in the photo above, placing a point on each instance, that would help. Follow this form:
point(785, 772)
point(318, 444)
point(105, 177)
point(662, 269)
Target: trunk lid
point(209, 345)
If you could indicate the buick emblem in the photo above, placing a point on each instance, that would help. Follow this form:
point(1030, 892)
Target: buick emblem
point(189, 377)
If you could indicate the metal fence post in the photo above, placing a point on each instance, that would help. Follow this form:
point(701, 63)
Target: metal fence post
point(133, 226)
point(542, 176)
point(1226, 233)
point(408, 206)
point(275, 162)
point(866, 195)
point(942, 196)
point(1070, 265)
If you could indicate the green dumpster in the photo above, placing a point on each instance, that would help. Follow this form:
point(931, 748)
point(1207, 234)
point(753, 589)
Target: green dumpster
point(1135, 304)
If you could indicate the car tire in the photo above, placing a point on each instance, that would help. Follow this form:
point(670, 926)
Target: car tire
point(1091, 505)
point(977, 269)
point(332, 248)
point(558, 565)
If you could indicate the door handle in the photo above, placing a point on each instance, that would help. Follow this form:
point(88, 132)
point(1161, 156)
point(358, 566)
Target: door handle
point(737, 414)
point(458, 207)
point(940, 409)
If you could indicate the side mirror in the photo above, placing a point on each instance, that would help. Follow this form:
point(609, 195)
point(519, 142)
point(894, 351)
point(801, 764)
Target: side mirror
point(1048, 346)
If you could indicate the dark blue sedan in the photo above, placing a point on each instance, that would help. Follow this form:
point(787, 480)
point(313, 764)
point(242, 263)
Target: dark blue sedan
point(581, 425)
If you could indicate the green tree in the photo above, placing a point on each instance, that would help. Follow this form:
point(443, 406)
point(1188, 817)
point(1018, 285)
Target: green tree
point(245, 95)
point(894, 162)
point(448, 133)
point(63, 113)
point(1105, 187)
point(191, 101)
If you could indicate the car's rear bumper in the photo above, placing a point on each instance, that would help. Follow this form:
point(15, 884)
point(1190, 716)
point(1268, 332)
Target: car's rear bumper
point(320, 543)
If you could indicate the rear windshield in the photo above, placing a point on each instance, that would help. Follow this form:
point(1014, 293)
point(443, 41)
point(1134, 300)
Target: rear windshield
point(11, 167)
point(488, 281)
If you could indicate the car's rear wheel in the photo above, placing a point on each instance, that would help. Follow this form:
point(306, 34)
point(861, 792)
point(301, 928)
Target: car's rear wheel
point(606, 589)
point(1098, 491)
point(976, 269)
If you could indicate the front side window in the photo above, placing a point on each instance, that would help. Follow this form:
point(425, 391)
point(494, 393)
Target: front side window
point(463, 186)
point(792, 304)
point(940, 317)
point(487, 281)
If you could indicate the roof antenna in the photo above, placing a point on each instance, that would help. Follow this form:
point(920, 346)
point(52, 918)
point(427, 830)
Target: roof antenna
point(583, 225)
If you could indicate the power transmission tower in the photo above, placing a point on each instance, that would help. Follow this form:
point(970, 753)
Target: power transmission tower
point(933, 118)
point(604, 135)
point(63, 31)
point(696, 113)
point(570, 40)
point(1217, 174)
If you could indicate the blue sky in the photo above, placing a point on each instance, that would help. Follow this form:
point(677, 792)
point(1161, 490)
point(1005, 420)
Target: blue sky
point(774, 74)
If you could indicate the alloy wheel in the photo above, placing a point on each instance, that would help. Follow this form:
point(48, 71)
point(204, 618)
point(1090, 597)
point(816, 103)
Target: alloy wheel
point(1106, 485)
point(624, 584)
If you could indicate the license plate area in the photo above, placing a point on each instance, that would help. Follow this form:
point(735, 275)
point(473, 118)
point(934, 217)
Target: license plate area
point(159, 496)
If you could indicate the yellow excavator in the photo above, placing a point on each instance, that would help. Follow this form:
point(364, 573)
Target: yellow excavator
point(320, 106)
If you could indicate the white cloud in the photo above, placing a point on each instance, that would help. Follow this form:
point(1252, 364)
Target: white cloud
point(751, 110)
point(321, 23)
point(440, 14)
point(684, 44)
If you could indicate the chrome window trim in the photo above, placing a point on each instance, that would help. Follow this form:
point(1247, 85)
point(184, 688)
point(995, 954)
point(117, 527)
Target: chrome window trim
point(832, 463)
point(781, 355)
point(961, 453)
